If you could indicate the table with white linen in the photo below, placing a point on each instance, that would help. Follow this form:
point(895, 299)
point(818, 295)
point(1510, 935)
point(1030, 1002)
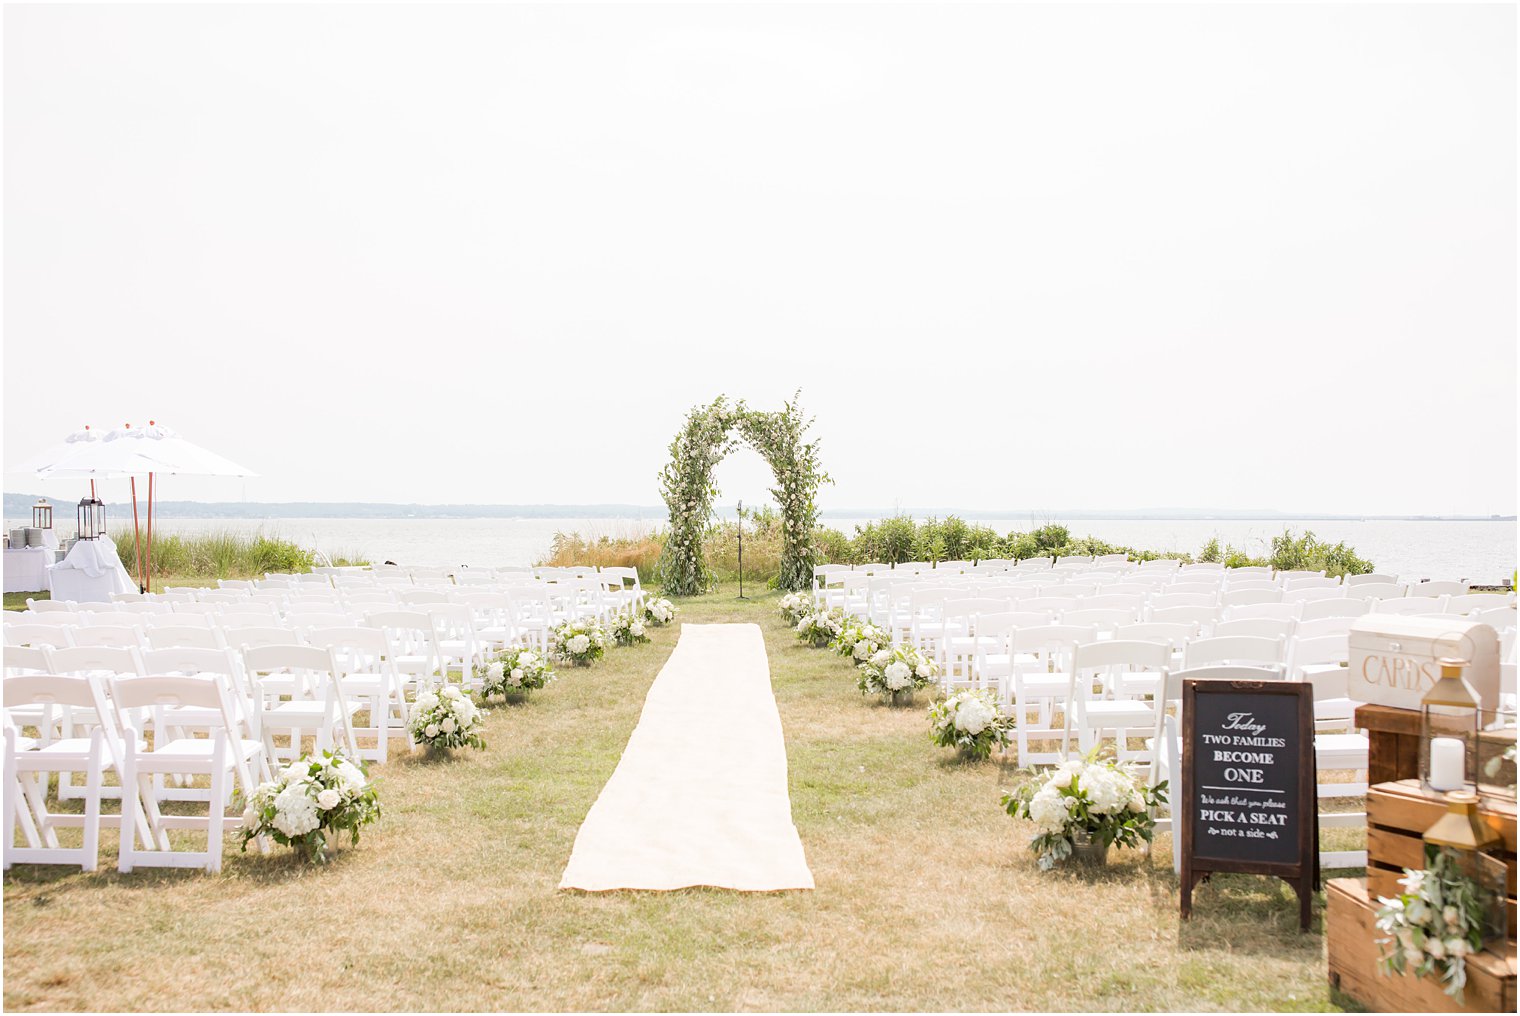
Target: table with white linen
point(26, 569)
point(90, 573)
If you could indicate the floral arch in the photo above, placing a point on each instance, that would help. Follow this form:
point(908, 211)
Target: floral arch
point(687, 485)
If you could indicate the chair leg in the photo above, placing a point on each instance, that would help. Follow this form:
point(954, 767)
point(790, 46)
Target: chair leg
point(216, 810)
point(92, 807)
point(130, 806)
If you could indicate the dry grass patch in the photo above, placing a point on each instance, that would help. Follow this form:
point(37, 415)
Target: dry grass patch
point(926, 898)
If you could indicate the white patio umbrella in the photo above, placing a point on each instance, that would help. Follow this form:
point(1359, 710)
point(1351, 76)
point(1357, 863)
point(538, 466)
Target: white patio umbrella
point(128, 453)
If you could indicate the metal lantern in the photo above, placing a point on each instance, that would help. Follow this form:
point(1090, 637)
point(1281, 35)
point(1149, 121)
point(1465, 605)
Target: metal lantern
point(92, 518)
point(42, 515)
point(1464, 835)
point(1449, 723)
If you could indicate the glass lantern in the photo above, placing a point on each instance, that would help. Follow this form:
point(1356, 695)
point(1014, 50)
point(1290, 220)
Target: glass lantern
point(1474, 845)
point(92, 518)
point(1496, 754)
point(1449, 716)
point(42, 515)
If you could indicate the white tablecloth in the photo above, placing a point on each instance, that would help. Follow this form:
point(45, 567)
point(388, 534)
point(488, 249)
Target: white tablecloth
point(26, 569)
point(90, 574)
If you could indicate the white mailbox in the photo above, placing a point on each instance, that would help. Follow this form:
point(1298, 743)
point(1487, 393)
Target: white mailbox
point(1394, 659)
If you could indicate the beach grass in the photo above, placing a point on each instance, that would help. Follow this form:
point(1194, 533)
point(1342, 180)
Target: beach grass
point(926, 898)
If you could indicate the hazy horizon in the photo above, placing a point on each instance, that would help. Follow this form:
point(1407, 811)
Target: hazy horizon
point(1219, 255)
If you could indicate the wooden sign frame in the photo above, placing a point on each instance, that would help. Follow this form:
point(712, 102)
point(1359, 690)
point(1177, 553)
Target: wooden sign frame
point(1302, 874)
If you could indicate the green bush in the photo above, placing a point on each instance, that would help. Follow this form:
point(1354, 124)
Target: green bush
point(216, 555)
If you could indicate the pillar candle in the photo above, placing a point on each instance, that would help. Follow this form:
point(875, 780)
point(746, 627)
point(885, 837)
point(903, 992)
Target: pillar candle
point(1447, 763)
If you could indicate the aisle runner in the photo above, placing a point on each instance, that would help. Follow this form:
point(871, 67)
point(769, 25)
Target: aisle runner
point(699, 797)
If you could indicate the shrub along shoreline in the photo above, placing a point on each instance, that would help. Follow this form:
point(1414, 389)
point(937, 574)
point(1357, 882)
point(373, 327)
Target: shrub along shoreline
point(902, 538)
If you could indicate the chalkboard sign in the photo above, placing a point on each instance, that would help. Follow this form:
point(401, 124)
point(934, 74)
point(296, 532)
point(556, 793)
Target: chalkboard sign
point(1248, 799)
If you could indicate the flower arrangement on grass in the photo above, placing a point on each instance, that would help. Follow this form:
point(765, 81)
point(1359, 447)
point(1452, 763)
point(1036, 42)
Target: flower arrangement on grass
point(1087, 803)
point(1434, 924)
point(659, 611)
point(860, 640)
point(821, 628)
point(970, 721)
point(896, 672)
point(581, 642)
point(515, 670)
point(445, 718)
point(795, 606)
point(311, 801)
point(628, 629)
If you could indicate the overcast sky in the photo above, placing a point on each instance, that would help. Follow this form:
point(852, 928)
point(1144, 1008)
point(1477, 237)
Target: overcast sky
point(1022, 258)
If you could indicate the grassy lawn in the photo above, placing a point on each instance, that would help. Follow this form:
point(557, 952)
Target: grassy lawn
point(926, 898)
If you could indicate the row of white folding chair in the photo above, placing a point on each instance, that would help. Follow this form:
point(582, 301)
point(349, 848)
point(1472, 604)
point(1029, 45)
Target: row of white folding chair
point(115, 706)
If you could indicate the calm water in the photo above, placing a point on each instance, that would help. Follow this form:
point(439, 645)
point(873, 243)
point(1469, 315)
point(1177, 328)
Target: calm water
point(1480, 551)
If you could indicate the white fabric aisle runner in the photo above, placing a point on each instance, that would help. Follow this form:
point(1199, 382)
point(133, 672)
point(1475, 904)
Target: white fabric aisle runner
point(699, 797)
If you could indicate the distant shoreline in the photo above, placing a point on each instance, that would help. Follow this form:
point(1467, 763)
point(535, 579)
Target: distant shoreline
point(19, 506)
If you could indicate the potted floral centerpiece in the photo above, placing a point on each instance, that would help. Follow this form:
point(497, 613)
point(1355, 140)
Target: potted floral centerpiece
point(628, 629)
point(515, 671)
point(896, 672)
point(581, 642)
point(659, 612)
point(818, 630)
point(1082, 807)
point(795, 606)
point(311, 802)
point(969, 721)
point(445, 718)
point(860, 640)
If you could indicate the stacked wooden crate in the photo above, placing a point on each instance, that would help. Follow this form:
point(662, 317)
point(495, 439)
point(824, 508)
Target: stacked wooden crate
point(1398, 813)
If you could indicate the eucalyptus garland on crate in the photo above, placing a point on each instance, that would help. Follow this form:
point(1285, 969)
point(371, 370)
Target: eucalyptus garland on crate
point(687, 485)
point(819, 629)
point(1435, 923)
point(311, 802)
point(896, 672)
point(970, 722)
point(516, 670)
point(628, 629)
point(580, 643)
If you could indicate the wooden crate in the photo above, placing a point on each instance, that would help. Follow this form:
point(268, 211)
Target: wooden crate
point(1351, 937)
point(1393, 742)
point(1397, 816)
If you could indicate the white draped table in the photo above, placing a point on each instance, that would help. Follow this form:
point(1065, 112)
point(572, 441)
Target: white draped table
point(26, 569)
point(90, 573)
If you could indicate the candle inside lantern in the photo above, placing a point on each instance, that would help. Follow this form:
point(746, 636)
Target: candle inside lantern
point(1447, 763)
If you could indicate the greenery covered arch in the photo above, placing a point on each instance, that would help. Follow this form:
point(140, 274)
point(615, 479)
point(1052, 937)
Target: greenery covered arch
point(687, 485)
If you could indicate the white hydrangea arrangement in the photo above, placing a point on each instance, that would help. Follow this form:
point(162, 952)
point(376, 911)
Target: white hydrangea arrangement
point(821, 628)
point(628, 629)
point(970, 721)
point(1097, 802)
point(516, 670)
point(444, 717)
point(860, 640)
point(1434, 924)
point(581, 642)
point(795, 606)
point(659, 611)
point(897, 672)
point(310, 802)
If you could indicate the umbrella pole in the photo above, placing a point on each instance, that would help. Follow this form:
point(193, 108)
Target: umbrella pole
point(150, 533)
point(137, 536)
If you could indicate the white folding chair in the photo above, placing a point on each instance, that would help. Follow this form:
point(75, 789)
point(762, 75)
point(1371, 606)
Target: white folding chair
point(222, 757)
point(28, 758)
point(317, 704)
point(1128, 672)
